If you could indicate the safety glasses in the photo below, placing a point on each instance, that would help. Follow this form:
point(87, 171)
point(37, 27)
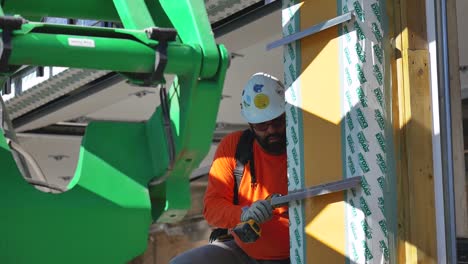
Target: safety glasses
point(278, 122)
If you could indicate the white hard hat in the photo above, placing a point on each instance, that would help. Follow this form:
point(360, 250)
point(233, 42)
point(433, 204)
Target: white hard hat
point(262, 98)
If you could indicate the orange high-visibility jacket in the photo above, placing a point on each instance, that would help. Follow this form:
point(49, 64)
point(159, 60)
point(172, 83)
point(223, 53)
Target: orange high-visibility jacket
point(219, 210)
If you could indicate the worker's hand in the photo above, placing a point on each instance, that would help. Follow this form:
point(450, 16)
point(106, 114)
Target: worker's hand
point(260, 211)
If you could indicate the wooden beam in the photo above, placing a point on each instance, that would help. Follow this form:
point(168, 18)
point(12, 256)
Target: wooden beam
point(417, 241)
point(399, 119)
point(461, 208)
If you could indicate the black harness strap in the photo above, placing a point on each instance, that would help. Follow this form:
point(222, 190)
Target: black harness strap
point(244, 156)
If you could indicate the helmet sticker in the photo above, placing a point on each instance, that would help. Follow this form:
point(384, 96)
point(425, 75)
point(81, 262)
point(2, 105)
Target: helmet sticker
point(246, 104)
point(258, 88)
point(261, 101)
point(248, 99)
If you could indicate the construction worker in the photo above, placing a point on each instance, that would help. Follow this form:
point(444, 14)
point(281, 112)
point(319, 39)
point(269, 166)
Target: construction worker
point(230, 200)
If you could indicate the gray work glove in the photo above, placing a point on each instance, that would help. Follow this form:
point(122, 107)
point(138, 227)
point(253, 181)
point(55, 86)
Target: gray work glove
point(260, 211)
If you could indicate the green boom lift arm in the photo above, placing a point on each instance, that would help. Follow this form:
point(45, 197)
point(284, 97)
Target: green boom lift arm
point(129, 175)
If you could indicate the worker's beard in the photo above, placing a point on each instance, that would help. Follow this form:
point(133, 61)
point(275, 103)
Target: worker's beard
point(273, 147)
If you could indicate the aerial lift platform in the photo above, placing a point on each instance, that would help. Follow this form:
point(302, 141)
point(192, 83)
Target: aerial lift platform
point(129, 175)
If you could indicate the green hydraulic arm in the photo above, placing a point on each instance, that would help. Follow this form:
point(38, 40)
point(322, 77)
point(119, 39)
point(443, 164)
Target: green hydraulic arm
point(129, 175)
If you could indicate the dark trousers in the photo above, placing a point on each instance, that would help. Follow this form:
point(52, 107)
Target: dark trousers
point(220, 252)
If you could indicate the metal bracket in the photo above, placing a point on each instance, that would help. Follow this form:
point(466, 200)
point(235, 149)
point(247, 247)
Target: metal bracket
point(312, 30)
point(163, 36)
point(318, 190)
point(8, 24)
